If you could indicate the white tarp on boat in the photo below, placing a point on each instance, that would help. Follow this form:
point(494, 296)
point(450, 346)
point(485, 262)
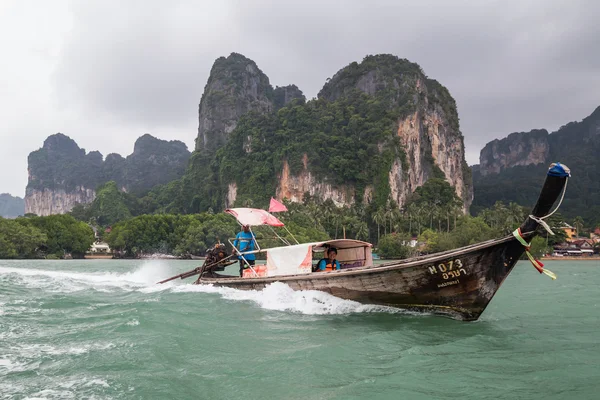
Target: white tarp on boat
point(298, 259)
point(290, 260)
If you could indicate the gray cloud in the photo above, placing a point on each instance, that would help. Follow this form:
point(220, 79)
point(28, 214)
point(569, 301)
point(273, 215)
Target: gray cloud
point(120, 69)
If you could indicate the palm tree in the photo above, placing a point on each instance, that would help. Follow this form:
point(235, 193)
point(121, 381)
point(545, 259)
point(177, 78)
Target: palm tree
point(395, 216)
point(420, 215)
point(362, 230)
point(413, 212)
point(457, 209)
point(379, 218)
point(387, 214)
point(447, 211)
point(347, 222)
point(578, 222)
point(439, 214)
point(499, 214)
point(316, 212)
point(515, 215)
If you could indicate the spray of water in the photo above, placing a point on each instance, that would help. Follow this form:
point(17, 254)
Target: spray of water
point(277, 296)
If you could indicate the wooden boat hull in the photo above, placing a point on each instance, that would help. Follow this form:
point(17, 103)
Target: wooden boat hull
point(458, 284)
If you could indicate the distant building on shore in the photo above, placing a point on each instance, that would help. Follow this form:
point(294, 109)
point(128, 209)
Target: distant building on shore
point(99, 250)
point(595, 235)
point(576, 248)
point(570, 231)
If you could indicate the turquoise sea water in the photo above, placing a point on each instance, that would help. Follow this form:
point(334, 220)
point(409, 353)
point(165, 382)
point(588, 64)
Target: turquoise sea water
point(103, 330)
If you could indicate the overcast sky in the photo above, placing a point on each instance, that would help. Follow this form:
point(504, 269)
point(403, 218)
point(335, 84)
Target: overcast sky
point(105, 72)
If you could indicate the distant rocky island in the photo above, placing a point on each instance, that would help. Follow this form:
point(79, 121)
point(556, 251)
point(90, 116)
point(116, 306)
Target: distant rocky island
point(10, 206)
point(61, 174)
point(511, 169)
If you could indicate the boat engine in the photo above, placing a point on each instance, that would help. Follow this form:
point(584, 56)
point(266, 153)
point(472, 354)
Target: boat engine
point(216, 256)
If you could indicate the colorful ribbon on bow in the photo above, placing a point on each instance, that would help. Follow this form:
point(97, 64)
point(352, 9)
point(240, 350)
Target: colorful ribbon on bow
point(536, 263)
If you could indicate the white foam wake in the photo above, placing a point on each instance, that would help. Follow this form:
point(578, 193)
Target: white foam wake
point(279, 296)
point(67, 281)
point(276, 296)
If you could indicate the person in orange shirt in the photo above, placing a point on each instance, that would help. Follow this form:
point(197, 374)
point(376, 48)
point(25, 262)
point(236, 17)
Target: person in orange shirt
point(329, 263)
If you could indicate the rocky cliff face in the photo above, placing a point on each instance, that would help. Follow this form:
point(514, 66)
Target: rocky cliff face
point(61, 174)
point(235, 86)
point(56, 201)
point(283, 95)
point(383, 102)
point(427, 126)
point(154, 162)
point(517, 149)
point(429, 142)
point(294, 187)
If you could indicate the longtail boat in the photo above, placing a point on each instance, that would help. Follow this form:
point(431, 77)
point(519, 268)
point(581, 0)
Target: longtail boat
point(459, 283)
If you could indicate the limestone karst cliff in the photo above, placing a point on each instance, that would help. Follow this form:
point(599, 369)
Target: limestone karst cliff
point(427, 125)
point(378, 130)
point(61, 174)
point(519, 148)
point(235, 86)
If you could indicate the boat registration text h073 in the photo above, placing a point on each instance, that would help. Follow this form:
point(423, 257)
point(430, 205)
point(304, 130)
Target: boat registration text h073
point(449, 269)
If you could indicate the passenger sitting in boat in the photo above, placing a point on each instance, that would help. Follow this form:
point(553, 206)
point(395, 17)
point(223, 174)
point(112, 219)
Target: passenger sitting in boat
point(244, 241)
point(329, 263)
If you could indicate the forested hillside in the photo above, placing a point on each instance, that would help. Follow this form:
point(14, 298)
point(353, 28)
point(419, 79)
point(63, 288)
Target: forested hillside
point(577, 144)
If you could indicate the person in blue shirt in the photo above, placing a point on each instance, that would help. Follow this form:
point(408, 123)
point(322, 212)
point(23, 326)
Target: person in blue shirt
point(329, 263)
point(244, 241)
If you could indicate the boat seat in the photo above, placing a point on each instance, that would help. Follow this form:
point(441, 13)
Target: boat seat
point(352, 264)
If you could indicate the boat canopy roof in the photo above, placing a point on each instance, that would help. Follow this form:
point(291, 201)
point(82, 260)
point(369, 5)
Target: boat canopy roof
point(254, 217)
point(342, 243)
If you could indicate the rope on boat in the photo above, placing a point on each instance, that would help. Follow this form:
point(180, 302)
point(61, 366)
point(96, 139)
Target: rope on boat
point(537, 264)
point(540, 220)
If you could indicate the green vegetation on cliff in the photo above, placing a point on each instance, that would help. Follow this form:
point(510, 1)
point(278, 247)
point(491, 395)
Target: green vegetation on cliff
point(61, 165)
point(283, 95)
point(577, 145)
point(110, 205)
point(348, 142)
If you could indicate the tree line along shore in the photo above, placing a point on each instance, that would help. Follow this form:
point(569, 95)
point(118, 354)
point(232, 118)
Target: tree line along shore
point(431, 222)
